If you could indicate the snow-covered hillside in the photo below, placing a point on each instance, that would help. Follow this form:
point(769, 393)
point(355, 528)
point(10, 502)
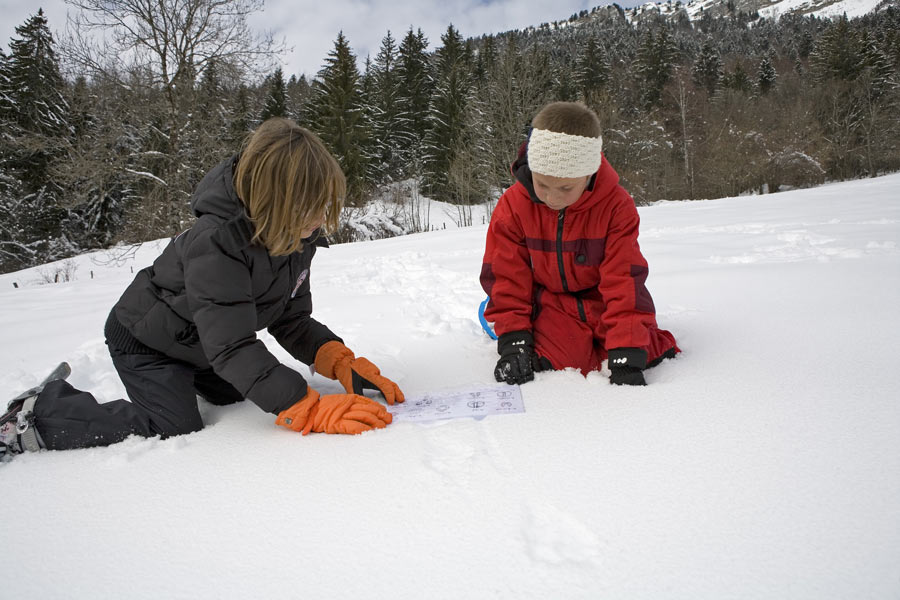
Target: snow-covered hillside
point(764, 462)
point(767, 8)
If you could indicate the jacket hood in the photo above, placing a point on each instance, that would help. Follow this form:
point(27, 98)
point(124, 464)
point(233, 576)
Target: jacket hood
point(215, 194)
point(601, 184)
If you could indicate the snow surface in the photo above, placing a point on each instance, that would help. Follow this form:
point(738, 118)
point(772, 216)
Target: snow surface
point(764, 462)
point(770, 9)
point(821, 9)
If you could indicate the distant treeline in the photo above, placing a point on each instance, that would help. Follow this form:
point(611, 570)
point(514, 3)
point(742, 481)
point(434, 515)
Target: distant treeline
point(103, 141)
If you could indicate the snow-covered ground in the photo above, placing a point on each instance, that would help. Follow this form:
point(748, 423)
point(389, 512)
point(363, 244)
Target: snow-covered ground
point(764, 462)
point(770, 9)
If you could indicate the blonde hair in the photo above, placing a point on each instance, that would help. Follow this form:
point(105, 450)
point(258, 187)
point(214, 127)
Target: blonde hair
point(573, 118)
point(288, 179)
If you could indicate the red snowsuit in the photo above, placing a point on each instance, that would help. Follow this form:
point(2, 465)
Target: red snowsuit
point(573, 277)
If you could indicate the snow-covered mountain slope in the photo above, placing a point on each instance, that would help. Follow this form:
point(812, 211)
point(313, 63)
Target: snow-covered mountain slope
point(763, 462)
point(766, 8)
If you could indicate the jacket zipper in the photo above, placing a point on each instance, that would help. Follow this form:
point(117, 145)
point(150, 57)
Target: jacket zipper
point(560, 220)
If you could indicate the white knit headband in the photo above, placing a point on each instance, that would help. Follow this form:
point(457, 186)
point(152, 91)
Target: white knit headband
point(563, 154)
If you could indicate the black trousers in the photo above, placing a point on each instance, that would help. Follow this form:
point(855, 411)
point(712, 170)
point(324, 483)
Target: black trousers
point(163, 393)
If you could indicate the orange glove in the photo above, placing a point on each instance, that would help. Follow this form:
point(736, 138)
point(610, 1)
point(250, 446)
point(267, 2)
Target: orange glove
point(335, 413)
point(336, 361)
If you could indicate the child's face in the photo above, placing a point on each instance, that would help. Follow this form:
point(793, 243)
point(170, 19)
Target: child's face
point(559, 192)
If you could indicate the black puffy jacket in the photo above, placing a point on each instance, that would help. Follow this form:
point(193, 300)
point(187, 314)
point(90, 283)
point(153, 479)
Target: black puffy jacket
point(209, 292)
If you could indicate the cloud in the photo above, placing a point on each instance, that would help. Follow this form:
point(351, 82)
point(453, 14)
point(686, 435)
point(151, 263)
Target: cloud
point(16, 12)
point(311, 26)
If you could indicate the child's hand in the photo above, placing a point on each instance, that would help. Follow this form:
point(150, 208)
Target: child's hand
point(514, 369)
point(626, 366)
point(336, 361)
point(626, 376)
point(335, 413)
point(518, 360)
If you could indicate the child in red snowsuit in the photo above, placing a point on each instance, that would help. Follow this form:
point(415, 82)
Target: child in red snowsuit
point(562, 266)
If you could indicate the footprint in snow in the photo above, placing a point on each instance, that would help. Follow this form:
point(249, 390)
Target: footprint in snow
point(554, 536)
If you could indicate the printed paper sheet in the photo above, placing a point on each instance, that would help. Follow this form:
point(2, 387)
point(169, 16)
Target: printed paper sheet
point(479, 402)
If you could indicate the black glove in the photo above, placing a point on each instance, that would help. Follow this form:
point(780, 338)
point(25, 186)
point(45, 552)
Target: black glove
point(518, 360)
point(626, 366)
point(626, 376)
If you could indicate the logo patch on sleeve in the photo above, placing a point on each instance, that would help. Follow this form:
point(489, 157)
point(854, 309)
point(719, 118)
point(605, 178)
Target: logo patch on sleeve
point(300, 281)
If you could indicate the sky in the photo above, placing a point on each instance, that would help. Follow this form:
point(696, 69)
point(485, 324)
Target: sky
point(762, 462)
point(311, 26)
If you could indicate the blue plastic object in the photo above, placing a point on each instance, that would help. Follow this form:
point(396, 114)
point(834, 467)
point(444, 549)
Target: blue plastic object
point(484, 324)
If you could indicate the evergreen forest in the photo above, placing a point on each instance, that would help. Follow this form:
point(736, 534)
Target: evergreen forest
point(103, 138)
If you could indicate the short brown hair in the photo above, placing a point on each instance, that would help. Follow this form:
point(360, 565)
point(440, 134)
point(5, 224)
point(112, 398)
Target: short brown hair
point(573, 118)
point(287, 179)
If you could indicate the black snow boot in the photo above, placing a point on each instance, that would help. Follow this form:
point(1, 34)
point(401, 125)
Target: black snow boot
point(17, 431)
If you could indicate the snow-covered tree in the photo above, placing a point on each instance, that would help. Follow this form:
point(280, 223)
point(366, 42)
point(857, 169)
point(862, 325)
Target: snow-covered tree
point(738, 79)
point(163, 47)
point(337, 114)
point(876, 60)
point(447, 112)
point(591, 70)
point(35, 107)
point(242, 123)
point(416, 82)
point(839, 53)
point(766, 76)
point(36, 132)
point(485, 61)
point(33, 83)
point(707, 72)
point(386, 128)
point(276, 99)
point(655, 62)
point(298, 93)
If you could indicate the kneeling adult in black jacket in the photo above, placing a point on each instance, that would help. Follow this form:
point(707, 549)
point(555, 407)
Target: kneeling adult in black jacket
point(186, 325)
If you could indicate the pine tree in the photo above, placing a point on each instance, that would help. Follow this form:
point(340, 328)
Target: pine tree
point(416, 82)
point(738, 80)
point(337, 115)
point(878, 63)
point(204, 138)
point(386, 130)
point(565, 87)
point(80, 105)
point(364, 83)
point(766, 76)
point(707, 71)
point(36, 107)
point(34, 114)
point(591, 70)
point(35, 85)
point(370, 151)
point(485, 62)
point(806, 45)
point(6, 104)
point(655, 63)
point(242, 123)
point(839, 53)
point(298, 93)
point(211, 117)
point(447, 112)
point(276, 100)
